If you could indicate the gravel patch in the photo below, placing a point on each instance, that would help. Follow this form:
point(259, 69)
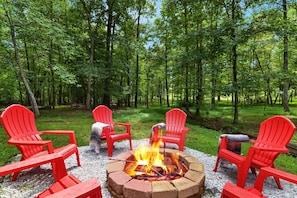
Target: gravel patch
point(32, 182)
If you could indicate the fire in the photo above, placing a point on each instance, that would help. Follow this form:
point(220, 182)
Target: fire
point(151, 162)
point(150, 157)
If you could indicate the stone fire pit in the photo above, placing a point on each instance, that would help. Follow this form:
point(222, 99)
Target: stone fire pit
point(121, 185)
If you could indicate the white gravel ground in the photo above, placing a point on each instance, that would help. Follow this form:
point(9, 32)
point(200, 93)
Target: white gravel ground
point(30, 183)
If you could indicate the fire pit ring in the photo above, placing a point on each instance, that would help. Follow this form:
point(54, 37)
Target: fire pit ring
point(121, 185)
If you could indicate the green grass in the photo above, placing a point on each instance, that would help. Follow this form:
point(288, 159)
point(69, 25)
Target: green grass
point(141, 120)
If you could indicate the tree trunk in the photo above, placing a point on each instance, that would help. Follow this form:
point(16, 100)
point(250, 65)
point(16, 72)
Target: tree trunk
point(108, 66)
point(186, 65)
point(214, 72)
point(199, 72)
point(234, 65)
point(21, 71)
point(213, 87)
point(166, 74)
point(286, 59)
point(60, 93)
point(52, 101)
point(147, 89)
point(137, 59)
point(88, 11)
point(128, 98)
point(160, 92)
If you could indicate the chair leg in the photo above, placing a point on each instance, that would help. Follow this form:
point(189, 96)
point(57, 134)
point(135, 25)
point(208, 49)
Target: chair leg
point(77, 158)
point(277, 181)
point(130, 142)
point(14, 176)
point(242, 174)
point(253, 171)
point(217, 164)
point(59, 169)
point(110, 148)
point(110, 151)
point(181, 147)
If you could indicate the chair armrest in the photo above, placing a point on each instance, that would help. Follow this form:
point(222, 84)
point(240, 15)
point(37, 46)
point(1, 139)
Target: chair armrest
point(122, 124)
point(252, 140)
point(70, 133)
point(270, 171)
point(186, 129)
point(46, 143)
point(65, 132)
point(84, 189)
point(33, 162)
point(231, 190)
point(127, 125)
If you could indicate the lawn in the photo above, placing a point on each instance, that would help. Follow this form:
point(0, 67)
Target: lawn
point(202, 135)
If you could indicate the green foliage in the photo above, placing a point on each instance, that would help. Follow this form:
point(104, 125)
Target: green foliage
point(67, 54)
point(66, 77)
point(8, 88)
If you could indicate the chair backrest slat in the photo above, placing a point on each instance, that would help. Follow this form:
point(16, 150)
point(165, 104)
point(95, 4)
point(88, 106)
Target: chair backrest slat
point(175, 122)
point(103, 114)
point(19, 124)
point(275, 132)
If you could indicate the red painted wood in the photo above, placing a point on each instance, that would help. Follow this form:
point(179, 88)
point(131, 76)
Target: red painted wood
point(274, 135)
point(57, 161)
point(233, 191)
point(71, 187)
point(175, 131)
point(269, 171)
point(103, 114)
point(19, 124)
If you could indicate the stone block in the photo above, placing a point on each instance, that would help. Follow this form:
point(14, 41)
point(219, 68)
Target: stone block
point(163, 189)
point(115, 166)
point(138, 189)
point(185, 187)
point(116, 181)
point(195, 176)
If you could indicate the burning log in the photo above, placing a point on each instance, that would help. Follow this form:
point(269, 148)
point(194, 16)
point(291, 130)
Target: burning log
point(149, 163)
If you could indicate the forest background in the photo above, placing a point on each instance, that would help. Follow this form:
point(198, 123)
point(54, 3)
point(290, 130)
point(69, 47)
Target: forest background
point(228, 64)
point(188, 53)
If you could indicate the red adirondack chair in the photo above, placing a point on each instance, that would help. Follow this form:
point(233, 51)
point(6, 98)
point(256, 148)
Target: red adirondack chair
point(274, 135)
point(232, 191)
point(56, 160)
point(19, 124)
point(104, 115)
point(70, 187)
point(175, 130)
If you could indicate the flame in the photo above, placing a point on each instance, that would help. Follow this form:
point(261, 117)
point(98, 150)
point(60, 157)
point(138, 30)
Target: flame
point(149, 160)
point(149, 157)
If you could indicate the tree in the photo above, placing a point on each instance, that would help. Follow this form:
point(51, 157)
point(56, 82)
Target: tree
point(21, 72)
point(286, 58)
point(140, 5)
point(92, 52)
point(234, 59)
point(92, 30)
point(234, 14)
